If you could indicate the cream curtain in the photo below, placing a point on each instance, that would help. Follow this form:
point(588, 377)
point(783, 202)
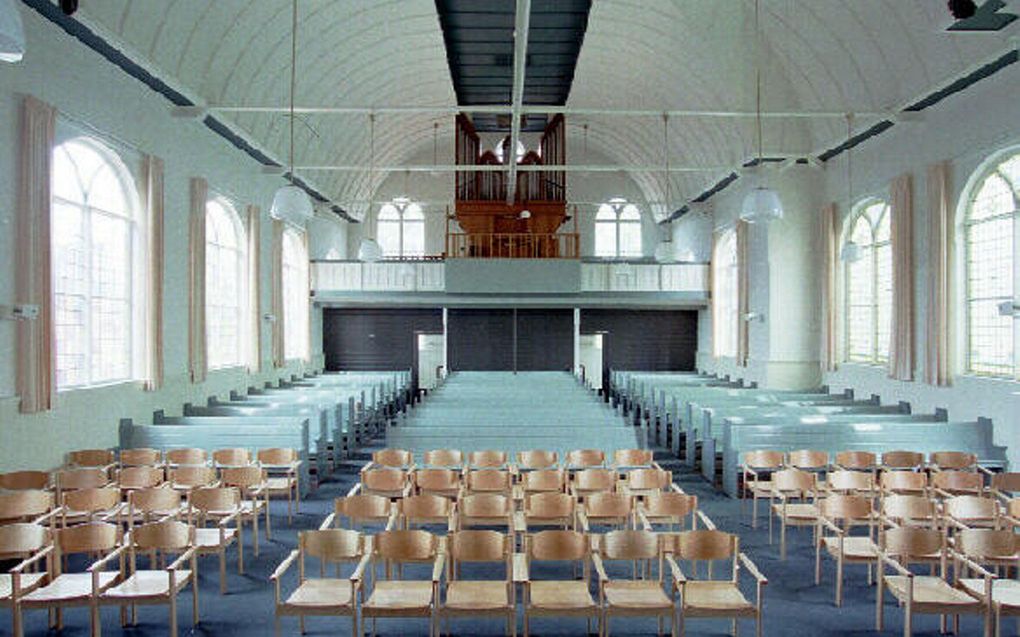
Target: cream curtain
point(197, 348)
point(276, 282)
point(940, 227)
point(152, 196)
point(35, 376)
point(254, 349)
point(901, 336)
point(830, 261)
point(307, 296)
point(743, 304)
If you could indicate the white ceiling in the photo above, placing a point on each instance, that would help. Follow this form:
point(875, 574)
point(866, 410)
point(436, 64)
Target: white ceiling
point(819, 55)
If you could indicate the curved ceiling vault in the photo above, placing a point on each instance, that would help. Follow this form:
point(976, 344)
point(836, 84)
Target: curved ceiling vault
point(821, 55)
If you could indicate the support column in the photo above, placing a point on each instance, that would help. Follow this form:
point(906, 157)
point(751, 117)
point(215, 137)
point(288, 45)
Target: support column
point(577, 342)
point(446, 342)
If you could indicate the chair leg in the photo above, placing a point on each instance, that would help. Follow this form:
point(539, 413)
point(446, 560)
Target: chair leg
point(733, 627)
point(97, 624)
point(194, 598)
point(354, 623)
point(223, 571)
point(839, 581)
point(526, 624)
point(17, 628)
point(173, 615)
point(255, 529)
point(301, 623)
point(782, 540)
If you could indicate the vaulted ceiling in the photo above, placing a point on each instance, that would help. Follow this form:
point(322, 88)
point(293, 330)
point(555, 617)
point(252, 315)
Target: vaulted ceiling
point(873, 57)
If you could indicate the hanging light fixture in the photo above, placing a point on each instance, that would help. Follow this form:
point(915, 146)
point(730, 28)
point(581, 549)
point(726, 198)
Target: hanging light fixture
point(370, 251)
point(761, 204)
point(291, 203)
point(664, 252)
point(435, 150)
point(12, 33)
point(850, 251)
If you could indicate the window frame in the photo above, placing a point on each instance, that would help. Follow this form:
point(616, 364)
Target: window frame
point(873, 250)
point(402, 205)
point(725, 307)
point(294, 237)
point(241, 282)
point(619, 206)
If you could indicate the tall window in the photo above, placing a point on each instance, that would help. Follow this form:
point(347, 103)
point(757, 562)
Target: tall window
point(618, 230)
point(401, 229)
point(224, 284)
point(725, 308)
point(295, 295)
point(869, 284)
point(990, 244)
point(95, 236)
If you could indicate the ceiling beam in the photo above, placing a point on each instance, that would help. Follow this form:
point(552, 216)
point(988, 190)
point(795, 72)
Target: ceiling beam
point(522, 21)
point(449, 168)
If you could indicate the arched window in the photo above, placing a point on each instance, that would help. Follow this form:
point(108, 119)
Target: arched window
point(295, 295)
point(990, 246)
point(225, 280)
point(618, 230)
point(869, 284)
point(95, 247)
point(401, 229)
point(725, 305)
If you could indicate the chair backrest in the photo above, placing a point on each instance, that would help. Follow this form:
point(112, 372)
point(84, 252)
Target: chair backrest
point(608, 505)
point(412, 545)
point(846, 507)
point(557, 545)
point(906, 508)
point(88, 478)
point(1008, 482)
point(421, 507)
point(488, 480)
point(643, 479)
point(277, 456)
point(140, 477)
point(29, 503)
point(856, 459)
point(247, 477)
point(794, 481)
point(90, 458)
point(953, 459)
point(670, 503)
point(166, 535)
point(397, 458)
point(629, 545)
point(585, 458)
point(332, 545)
point(705, 544)
point(21, 539)
point(537, 459)
point(154, 500)
point(487, 459)
point(987, 543)
point(476, 545)
point(93, 537)
point(595, 479)
point(91, 500)
point(764, 459)
point(849, 481)
point(632, 457)
point(549, 505)
point(232, 457)
point(485, 505)
point(143, 457)
point(363, 506)
point(187, 456)
point(193, 475)
point(22, 480)
point(444, 458)
point(971, 507)
point(384, 479)
point(902, 459)
point(904, 481)
point(957, 480)
point(544, 480)
point(436, 479)
point(214, 499)
point(808, 459)
point(909, 542)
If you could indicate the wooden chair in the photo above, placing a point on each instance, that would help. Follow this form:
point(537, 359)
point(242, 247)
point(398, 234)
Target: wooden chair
point(926, 594)
point(473, 598)
point(910, 510)
point(632, 597)
point(32, 544)
point(808, 460)
point(1005, 486)
point(634, 459)
point(564, 597)
point(360, 509)
point(387, 482)
point(323, 596)
point(156, 586)
point(444, 482)
point(586, 482)
point(186, 456)
point(999, 548)
point(837, 515)
point(404, 598)
point(444, 459)
point(793, 502)
point(25, 480)
point(141, 457)
point(391, 458)
point(187, 477)
point(426, 509)
point(851, 482)
point(90, 505)
point(222, 507)
point(642, 483)
point(231, 457)
point(282, 466)
point(971, 511)
point(542, 481)
point(535, 459)
point(104, 459)
point(144, 477)
point(146, 506)
point(546, 509)
point(67, 589)
point(902, 482)
point(710, 598)
point(669, 508)
point(487, 459)
point(485, 509)
point(902, 460)
point(609, 509)
point(250, 481)
point(758, 464)
point(74, 479)
point(489, 481)
point(856, 461)
point(950, 482)
point(584, 459)
point(953, 461)
point(29, 505)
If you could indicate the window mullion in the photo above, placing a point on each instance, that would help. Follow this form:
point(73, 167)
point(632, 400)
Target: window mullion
point(89, 292)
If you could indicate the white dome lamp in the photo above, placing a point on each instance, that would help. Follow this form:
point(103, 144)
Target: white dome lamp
point(370, 251)
point(12, 33)
point(291, 203)
point(761, 204)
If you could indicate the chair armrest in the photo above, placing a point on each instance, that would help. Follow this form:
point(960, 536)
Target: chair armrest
point(582, 518)
point(182, 559)
point(232, 517)
point(707, 521)
point(829, 524)
point(33, 559)
point(973, 565)
point(984, 470)
point(359, 570)
point(437, 568)
point(354, 490)
point(520, 568)
point(328, 522)
point(600, 568)
point(284, 565)
point(675, 488)
point(103, 561)
point(645, 524)
point(752, 569)
point(678, 574)
point(902, 570)
point(391, 521)
point(748, 470)
point(942, 493)
point(48, 516)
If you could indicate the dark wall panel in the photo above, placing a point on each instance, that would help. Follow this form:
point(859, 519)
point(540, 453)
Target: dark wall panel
point(480, 340)
point(375, 339)
point(652, 340)
point(545, 340)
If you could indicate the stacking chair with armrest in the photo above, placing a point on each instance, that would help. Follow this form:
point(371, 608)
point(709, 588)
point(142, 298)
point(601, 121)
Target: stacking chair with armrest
point(793, 501)
point(103, 459)
point(903, 482)
point(437, 481)
point(855, 460)
point(473, 597)
point(546, 509)
point(140, 457)
point(535, 459)
point(231, 457)
point(900, 460)
point(146, 506)
point(1005, 486)
point(282, 466)
point(33, 545)
point(633, 597)
point(25, 480)
point(586, 482)
point(955, 461)
point(251, 482)
point(90, 505)
point(360, 509)
point(493, 481)
point(577, 459)
point(970, 511)
point(809, 460)
point(641, 483)
point(851, 482)
point(563, 597)
point(756, 466)
point(950, 482)
point(187, 477)
point(487, 459)
point(615, 510)
point(83, 478)
point(220, 506)
point(139, 477)
point(541, 481)
point(837, 516)
point(625, 459)
point(996, 548)
point(186, 456)
point(670, 508)
point(426, 509)
point(404, 597)
point(29, 505)
point(485, 509)
point(444, 459)
point(387, 482)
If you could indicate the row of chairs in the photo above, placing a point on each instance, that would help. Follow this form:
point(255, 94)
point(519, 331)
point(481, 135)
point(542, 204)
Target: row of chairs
point(522, 461)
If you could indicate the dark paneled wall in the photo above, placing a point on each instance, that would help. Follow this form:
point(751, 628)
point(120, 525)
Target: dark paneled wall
point(545, 340)
point(480, 340)
point(652, 340)
point(375, 339)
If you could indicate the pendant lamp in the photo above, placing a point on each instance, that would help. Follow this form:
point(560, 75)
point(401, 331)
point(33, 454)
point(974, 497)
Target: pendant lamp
point(12, 33)
point(850, 252)
point(664, 252)
point(761, 204)
point(291, 203)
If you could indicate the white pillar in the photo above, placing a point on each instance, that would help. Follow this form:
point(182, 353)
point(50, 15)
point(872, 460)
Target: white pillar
point(446, 341)
point(577, 341)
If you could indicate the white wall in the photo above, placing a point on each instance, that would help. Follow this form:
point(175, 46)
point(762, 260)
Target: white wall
point(79, 83)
